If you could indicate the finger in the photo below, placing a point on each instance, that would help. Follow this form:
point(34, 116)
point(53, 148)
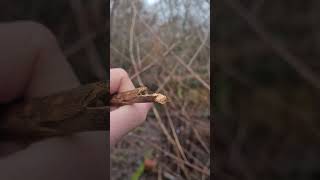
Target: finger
point(35, 67)
point(16, 59)
point(119, 81)
point(125, 118)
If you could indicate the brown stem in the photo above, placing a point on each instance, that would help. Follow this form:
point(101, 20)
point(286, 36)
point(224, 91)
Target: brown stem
point(138, 95)
point(81, 109)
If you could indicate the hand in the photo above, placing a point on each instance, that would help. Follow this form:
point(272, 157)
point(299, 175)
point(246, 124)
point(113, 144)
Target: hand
point(32, 65)
point(125, 118)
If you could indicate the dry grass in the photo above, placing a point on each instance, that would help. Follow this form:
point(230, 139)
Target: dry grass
point(171, 56)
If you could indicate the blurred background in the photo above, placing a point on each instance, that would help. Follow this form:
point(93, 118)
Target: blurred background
point(79, 26)
point(267, 79)
point(165, 46)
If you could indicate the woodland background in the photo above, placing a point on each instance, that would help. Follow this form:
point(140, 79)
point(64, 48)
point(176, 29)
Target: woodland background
point(165, 46)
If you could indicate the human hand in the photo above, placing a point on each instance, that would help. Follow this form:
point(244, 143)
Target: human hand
point(124, 118)
point(33, 65)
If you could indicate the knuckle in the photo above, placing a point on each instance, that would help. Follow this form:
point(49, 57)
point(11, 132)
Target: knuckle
point(122, 72)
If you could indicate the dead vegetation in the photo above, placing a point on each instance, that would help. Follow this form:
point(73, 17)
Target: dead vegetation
point(165, 47)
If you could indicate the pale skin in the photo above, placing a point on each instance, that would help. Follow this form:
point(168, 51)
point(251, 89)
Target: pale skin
point(33, 65)
point(125, 118)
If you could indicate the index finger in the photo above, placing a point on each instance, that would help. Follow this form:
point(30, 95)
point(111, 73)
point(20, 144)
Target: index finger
point(119, 81)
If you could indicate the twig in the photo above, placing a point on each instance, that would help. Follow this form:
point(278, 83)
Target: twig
point(138, 95)
point(136, 68)
point(113, 8)
point(155, 61)
point(205, 84)
point(143, 69)
point(80, 109)
point(199, 49)
point(175, 135)
point(189, 154)
point(131, 41)
point(177, 143)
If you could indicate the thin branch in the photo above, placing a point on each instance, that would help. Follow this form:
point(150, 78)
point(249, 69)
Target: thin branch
point(204, 83)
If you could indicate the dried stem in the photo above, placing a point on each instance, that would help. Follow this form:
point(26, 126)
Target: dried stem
point(138, 95)
point(80, 109)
